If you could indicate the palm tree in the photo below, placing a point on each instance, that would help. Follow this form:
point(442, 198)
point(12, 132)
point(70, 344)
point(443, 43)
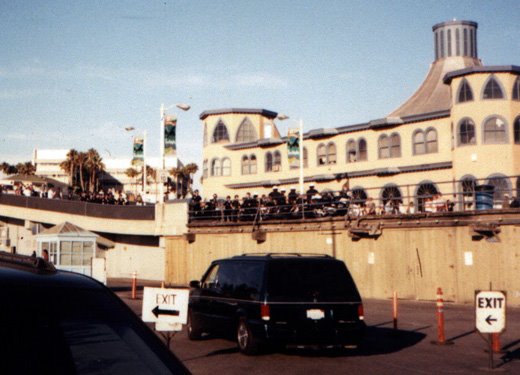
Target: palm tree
point(81, 159)
point(189, 170)
point(26, 168)
point(151, 173)
point(132, 173)
point(69, 165)
point(8, 168)
point(94, 165)
point(176, 173)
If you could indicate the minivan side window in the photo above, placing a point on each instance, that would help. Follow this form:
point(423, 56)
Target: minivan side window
point(210, 281)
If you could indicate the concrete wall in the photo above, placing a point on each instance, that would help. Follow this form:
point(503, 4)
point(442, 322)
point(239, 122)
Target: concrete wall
point(413, 256)
point(147, 261)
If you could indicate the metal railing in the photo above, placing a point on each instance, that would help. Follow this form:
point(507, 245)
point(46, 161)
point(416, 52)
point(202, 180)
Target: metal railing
point(456, 195)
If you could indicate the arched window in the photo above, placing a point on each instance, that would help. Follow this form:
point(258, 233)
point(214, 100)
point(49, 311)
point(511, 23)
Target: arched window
point(395, 145)
point(205, 169)
point(502, 186)
point(331, 153)
point(205, 135)
point(305, 158)
point(252, 163)
point(466, 132)
point(492, 89)
point(425, 194)
point(246, 132)
point(495, 130)
point(517, 130)
point(425, 142)
point(383, 146)
point(220, 133)
point(226, 167)
point(359, 196)
point(465, 93)
point(431, 141)
point(277, 161)
point(215, 167)
point(516, 89)
point(391, 192)
point(268, 162)
point(321, 154)
point(249, 164)
point(362, 150)
point(351, 151)
point(419, 144)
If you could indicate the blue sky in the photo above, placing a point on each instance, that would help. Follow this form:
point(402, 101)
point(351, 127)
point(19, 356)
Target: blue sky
point(74, 74)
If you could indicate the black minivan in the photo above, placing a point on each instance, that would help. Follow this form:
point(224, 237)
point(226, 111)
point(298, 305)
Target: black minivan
point(288, 299)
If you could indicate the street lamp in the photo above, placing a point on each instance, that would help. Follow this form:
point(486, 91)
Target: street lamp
point(184, 107)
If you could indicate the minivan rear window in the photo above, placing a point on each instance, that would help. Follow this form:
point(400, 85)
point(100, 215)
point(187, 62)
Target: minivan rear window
point(311, 280)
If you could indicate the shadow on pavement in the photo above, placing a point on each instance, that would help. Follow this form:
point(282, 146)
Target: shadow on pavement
point(377, 341)
point(511, 354)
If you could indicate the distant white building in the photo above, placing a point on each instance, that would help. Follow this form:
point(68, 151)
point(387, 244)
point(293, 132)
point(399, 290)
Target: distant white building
point(47, 163)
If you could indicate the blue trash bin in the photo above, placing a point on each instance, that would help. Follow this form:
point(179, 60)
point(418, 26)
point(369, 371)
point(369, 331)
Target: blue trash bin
point(484, 197)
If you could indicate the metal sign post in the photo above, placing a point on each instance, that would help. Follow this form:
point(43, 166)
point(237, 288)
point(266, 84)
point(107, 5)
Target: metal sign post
point(490, 315)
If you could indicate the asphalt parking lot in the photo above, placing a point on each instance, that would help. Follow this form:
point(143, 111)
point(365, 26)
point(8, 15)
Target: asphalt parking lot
point(410, 349)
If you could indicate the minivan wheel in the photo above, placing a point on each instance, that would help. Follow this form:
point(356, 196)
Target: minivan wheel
point(247, 343)
point(194, 329)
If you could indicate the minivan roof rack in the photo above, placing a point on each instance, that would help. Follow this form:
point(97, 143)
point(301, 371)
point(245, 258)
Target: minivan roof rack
point(26, 261)
point(273, 255)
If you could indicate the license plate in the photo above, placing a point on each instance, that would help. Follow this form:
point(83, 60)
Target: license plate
point(315, 314)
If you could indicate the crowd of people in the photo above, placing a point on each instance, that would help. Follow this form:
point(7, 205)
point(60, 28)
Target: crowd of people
point(279, 204)
point(111, 196)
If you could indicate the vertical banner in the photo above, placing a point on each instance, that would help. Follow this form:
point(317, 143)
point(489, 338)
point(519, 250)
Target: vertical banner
point(170, 144)
point(138, 158)
point(293, 148)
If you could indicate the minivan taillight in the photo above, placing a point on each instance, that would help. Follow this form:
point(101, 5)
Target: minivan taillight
point(361, 312)
point(264, 312)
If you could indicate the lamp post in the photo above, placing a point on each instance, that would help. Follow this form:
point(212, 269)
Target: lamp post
point(184, 107)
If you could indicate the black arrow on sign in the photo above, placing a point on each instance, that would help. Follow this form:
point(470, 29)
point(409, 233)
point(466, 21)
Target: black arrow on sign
point(157, 311)
point(490, 319)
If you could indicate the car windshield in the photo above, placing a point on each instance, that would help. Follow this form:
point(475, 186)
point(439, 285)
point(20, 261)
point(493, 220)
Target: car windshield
point(71, 331)
point(310, 280)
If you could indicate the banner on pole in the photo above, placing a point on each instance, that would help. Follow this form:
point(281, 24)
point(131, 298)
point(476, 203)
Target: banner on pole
point(293, 147)
point(138, 152)
point(170, 143)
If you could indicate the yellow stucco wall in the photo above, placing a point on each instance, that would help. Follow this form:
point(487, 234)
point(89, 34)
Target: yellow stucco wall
point(479, 160)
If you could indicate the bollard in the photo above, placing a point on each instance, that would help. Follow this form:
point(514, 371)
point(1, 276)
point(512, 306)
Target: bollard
point(395, 309)
point(440, 318)
point(134, 285)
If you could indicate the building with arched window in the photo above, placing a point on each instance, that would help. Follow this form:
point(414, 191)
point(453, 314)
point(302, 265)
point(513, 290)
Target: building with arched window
point(445, 139)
